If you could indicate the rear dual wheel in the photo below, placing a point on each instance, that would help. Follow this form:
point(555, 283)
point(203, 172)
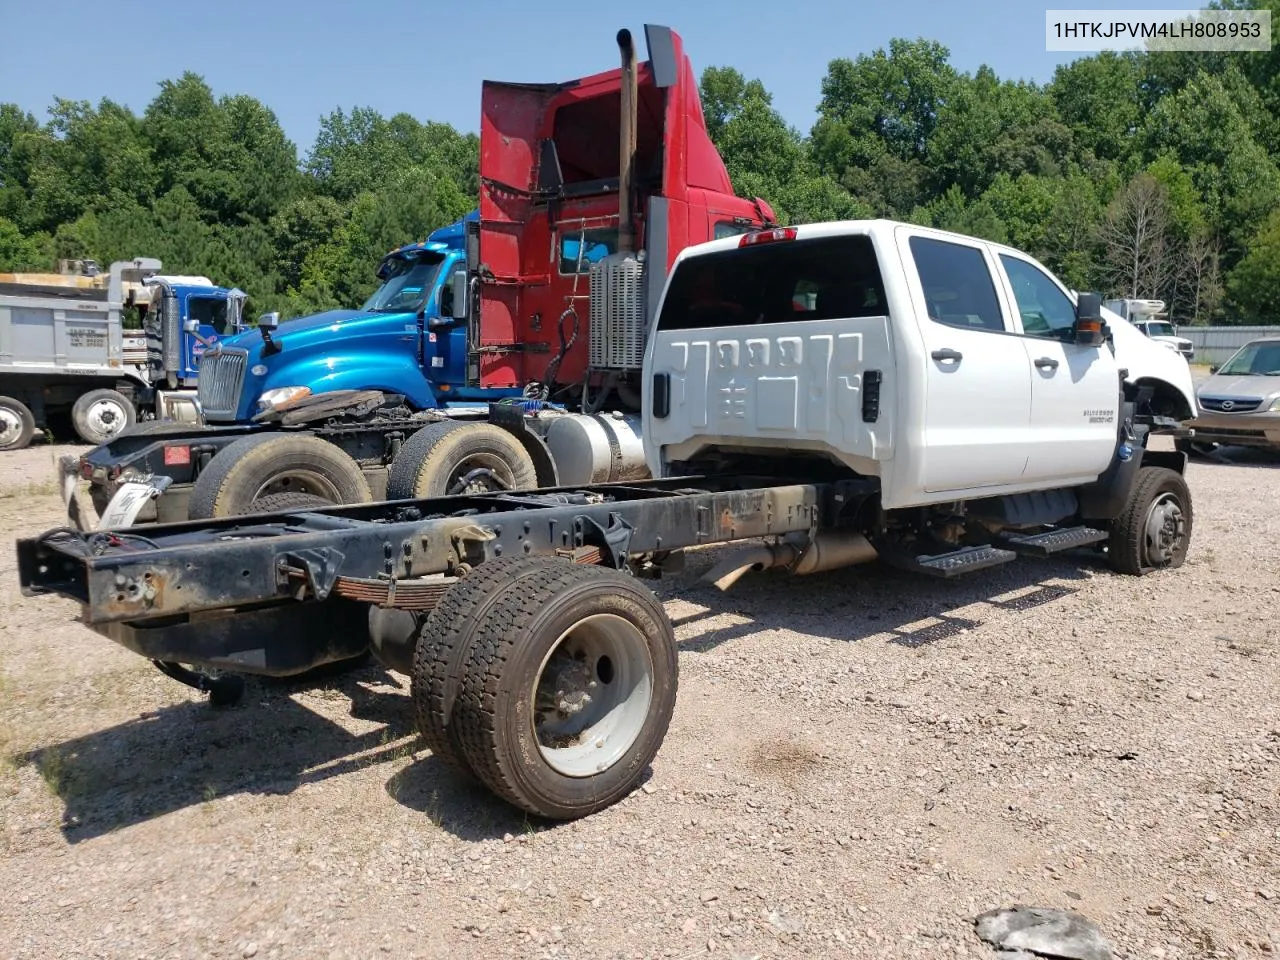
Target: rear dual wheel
point(459, 457)
point(552, 683)
point(290, 469)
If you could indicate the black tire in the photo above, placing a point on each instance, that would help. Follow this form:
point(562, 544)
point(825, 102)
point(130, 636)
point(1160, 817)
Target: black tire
point(102, 415)
point(280, 502)
point(444, 641)
point(433, 462)
point(258, 466)
point(500, 724)
point(1142, 541)
point(17, 425)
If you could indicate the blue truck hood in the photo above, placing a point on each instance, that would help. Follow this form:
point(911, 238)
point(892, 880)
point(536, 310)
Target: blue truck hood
point(320, 326)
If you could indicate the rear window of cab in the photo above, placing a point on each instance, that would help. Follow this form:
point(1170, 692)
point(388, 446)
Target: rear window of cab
point(824, 278)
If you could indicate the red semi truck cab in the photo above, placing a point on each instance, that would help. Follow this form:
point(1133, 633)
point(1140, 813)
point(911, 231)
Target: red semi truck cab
point(567, 170)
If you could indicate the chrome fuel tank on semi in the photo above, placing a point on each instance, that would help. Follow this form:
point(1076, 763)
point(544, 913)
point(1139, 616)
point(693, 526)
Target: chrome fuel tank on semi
point(597, 448)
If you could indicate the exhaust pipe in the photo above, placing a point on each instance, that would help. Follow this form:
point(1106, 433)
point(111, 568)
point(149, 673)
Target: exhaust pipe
point(627, 144)
point(829, 550)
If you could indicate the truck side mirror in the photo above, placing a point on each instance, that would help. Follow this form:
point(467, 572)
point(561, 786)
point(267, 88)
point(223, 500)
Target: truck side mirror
point(459, 290)
point(191, 325)
point(235, 309)
point(269, 321)
point(1090, 331)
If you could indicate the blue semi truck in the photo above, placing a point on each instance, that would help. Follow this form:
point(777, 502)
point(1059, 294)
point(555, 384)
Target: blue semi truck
point(404, 330)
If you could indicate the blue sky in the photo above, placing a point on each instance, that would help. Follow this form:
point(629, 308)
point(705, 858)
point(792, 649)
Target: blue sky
point(303, 59)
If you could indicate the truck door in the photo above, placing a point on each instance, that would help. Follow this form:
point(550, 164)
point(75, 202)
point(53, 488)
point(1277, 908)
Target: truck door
point(1074, 389)
point(512, 118)
point(444, 352)
point(977, 376)
point(211, 314)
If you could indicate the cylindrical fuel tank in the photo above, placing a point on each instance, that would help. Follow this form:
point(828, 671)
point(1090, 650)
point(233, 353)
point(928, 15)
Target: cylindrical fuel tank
point(597, 448)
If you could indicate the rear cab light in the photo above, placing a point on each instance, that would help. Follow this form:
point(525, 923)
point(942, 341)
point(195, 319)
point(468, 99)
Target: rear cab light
point(767, 236)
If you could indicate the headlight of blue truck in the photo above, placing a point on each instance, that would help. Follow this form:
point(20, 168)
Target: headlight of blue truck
point(281, 397)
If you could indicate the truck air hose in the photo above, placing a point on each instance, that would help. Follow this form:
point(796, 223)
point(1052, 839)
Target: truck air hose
point(566, 344)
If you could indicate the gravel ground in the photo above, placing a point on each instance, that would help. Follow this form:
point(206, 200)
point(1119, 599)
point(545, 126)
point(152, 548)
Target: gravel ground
point(859, 763)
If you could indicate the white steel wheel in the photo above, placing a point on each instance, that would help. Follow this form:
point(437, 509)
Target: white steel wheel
point(592, 695)
point(17, 425)
point(102, 415)
point(566, 684)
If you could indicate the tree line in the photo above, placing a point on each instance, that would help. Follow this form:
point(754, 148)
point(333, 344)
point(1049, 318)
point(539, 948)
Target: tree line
point(1148, 175)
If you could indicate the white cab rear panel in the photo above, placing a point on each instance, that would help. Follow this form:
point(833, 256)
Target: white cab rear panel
point(797, 386)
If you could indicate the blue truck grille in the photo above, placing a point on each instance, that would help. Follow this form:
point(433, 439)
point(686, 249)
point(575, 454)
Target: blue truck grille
point(221, 378)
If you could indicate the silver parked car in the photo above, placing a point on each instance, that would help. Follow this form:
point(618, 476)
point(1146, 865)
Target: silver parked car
point(1240, 401)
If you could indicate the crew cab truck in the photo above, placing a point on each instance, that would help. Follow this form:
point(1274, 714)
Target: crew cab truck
point(64, 349)
point(832, 394)
point(537, 303)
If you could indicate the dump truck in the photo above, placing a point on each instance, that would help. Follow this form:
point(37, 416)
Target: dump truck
point(64, 348)
point(824, 395)
point(508, 345)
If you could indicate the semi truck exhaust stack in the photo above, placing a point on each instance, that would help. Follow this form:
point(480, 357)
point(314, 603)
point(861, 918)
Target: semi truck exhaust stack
point(627, 144)
point(617, 282)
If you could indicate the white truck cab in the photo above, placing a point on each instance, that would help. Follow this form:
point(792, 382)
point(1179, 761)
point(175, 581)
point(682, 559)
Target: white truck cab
point(947, 366)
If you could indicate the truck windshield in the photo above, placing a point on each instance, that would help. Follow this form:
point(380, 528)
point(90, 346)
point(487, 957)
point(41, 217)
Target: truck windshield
point(821, 279)
point(406, 287)
point(1160, 330)
point(1258, 359)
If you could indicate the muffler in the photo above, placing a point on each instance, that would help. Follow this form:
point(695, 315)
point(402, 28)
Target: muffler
point(829, 550)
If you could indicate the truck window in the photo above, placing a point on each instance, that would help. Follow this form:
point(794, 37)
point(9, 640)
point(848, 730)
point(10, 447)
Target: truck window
point(446, 290)
point(593, 245)
point(957, 285)
point(727, 228)
point(406, 284)
point(209, 312)
point(822, 279)
point(1046, 311)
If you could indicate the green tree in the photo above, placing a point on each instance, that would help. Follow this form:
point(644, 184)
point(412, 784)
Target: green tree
point(1099, 99)
point(1254, 284)
point(230, 155)
point(988, 127)
point(1207, 126)
point(18, 252)
point(365, 151)
point(20, 139)
point(766, 158)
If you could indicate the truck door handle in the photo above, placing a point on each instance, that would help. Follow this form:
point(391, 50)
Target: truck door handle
point(946, 353)
point(1047, 363)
